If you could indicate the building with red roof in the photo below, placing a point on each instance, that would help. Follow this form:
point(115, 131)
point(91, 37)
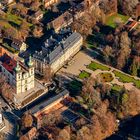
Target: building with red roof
point(20, 75)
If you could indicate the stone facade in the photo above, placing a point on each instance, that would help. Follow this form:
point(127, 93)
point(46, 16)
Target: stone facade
point(73, 13)
point(18, 75)
point(64, 47)
point(18, 45)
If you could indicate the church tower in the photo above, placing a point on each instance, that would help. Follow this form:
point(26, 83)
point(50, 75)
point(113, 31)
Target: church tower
point(18, 75)
point(31, 72)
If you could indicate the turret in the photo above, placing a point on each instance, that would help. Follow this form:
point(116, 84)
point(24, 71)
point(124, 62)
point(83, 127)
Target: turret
point(30, 62)
point(30, 65)
point(17, 68)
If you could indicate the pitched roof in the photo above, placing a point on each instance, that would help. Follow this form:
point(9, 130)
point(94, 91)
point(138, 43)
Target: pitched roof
point(52, 53)
point(8, 63)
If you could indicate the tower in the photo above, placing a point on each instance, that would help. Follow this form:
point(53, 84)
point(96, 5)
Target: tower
point(18, 77)
point(31, 72)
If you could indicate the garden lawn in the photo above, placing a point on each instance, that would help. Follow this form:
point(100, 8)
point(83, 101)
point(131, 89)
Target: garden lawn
point(84, 75)
point(17, 20)
point(94, 66)
point(106, 77)
point(110, 21)
point(126, 78)
point(116, 88)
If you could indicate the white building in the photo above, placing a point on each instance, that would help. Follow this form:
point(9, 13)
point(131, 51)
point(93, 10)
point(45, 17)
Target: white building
point(19, 75)
point(2, 122)
point(57, 51)
point(19, 45)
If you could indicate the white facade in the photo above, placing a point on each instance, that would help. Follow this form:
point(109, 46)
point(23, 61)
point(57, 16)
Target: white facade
point(72, 45)
point(24, 81)
point(69, 53)
point(21, 48)
point(22, 78)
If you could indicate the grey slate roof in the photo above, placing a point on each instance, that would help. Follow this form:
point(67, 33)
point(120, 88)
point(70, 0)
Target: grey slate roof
point(51, 53)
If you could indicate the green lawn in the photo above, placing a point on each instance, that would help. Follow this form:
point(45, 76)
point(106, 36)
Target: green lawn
point(91, 45)
point(116, 88)
point(13, 18)
point(110, 21)
point(126, 78)
point(106, 77)
point(84, 75)
point(94, 66)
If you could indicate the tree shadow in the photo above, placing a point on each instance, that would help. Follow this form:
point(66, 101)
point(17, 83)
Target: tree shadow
point(104, 29)
point(14, 24)
point(95, 54)
point(10, 117)
point(128, 128)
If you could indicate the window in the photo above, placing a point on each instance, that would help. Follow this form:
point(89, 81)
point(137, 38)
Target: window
point(32, 71)
point(18, 76)
point(26, 88)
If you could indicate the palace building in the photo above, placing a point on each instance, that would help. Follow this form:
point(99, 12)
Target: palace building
point(57, 50)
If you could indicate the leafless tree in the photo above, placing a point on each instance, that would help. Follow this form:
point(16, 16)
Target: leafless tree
point(48, 74)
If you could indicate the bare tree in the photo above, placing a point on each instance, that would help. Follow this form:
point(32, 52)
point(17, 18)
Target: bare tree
point(27, 120)
point(47, 72)
point(124, 51)
point(128, 6)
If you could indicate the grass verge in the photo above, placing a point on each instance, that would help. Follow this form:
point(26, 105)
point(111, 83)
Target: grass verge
point(126, 78)
point(84, 74)
point(94, 66)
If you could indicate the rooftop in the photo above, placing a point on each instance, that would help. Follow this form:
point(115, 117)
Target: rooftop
point(50, 101)
point(54, 47)
point(8, 63)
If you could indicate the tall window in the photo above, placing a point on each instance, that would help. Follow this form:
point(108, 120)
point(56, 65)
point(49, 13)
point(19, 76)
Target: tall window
point(18, 76)
point(32, 71)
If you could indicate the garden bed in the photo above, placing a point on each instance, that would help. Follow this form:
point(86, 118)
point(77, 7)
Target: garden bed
point(106, 77)
point(126, 78)
point(84, 74)
point(94, 66)
point(116, 87)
